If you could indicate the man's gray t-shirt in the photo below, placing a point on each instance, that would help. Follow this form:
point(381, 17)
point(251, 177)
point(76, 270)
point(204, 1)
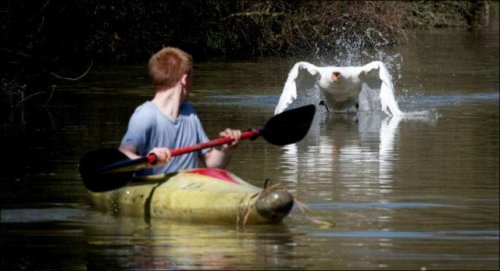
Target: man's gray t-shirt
point(149, 128)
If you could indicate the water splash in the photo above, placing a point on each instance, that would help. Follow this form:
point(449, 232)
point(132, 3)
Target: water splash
point(361, 49)
point(419, 105)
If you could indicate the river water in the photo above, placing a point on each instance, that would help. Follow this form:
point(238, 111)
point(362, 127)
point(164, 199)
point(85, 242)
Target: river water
point(418, 192)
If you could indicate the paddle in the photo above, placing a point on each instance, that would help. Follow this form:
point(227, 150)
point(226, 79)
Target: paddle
point(108, 169)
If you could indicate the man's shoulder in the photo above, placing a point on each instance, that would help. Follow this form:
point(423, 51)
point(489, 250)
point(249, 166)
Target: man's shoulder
point(187, 108)
point(144, 114)
point(145, 108)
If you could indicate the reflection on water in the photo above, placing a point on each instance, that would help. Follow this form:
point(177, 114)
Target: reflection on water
point(384, 175)
point(106, 242)
point(443, 235)
point(413, 192)
point(161, 245)
point(370, 150)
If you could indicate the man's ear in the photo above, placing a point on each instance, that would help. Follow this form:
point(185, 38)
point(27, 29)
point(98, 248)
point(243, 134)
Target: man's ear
point(184, 79)
point(335, 76)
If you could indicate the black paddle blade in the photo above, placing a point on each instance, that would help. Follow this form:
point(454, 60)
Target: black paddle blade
point(290, 126)
point(97, 181)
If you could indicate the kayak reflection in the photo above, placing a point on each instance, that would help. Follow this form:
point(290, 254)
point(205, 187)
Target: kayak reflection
point(132, 243)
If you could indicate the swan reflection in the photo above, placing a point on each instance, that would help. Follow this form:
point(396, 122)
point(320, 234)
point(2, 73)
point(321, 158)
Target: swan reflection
point(354, 149)
point(358, 151)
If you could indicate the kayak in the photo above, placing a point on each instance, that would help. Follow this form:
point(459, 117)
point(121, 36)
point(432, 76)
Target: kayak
point(201, 195)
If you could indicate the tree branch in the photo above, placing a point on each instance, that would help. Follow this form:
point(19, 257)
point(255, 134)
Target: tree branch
point(76, 78)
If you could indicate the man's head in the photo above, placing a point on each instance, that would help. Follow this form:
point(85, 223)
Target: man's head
point(169, 66)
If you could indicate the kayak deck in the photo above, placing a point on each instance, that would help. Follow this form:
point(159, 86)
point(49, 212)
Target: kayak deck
point(204, 195)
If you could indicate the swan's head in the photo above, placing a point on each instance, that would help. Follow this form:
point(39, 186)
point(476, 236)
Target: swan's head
point(335, 77)
point(331, 80)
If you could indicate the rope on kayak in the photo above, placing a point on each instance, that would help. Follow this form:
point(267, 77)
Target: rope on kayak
point(253, 199)
point(312, 216)
point(306, 211)
point(248, 209)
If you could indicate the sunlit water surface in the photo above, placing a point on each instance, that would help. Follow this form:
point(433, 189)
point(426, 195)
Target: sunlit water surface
point(413, 192)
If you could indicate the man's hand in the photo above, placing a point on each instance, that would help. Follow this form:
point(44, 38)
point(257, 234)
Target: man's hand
point(163, 154)
point(234, 134)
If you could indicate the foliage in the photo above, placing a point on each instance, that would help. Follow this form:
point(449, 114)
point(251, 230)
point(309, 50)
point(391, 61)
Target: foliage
point(42, 38)
point(427, 14)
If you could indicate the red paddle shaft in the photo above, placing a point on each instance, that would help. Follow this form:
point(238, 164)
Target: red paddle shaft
point(252, 134)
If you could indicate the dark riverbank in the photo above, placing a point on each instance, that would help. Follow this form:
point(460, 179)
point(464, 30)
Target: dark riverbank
point(46, 42)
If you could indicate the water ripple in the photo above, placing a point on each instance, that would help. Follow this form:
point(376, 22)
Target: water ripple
point(365, 205)
point(441, 235)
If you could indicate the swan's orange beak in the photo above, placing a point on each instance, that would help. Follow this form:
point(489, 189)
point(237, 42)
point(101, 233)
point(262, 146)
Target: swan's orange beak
point(335, 76)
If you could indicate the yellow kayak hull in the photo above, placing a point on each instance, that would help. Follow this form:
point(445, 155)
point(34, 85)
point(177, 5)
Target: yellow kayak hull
point(202, 195)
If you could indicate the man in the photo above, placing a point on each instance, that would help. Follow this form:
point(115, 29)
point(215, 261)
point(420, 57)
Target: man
point(169, 121)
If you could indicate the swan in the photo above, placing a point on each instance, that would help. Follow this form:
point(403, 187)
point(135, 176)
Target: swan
point(340, 86)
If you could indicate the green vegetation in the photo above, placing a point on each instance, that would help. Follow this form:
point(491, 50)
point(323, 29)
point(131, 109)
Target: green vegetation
point(46, 41)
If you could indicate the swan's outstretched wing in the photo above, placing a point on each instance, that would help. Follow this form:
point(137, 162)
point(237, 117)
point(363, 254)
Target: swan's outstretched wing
point(387, 99)
point(302, 76)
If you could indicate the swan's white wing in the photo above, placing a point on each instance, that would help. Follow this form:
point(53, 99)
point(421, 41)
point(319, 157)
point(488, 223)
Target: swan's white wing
point(387, 99)
point(300, 78)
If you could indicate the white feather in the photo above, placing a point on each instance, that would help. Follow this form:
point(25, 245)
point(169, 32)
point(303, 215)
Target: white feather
point(299, 78)
point(344, 93)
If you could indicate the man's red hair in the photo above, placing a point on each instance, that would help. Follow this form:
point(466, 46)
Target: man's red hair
point(167, 66)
